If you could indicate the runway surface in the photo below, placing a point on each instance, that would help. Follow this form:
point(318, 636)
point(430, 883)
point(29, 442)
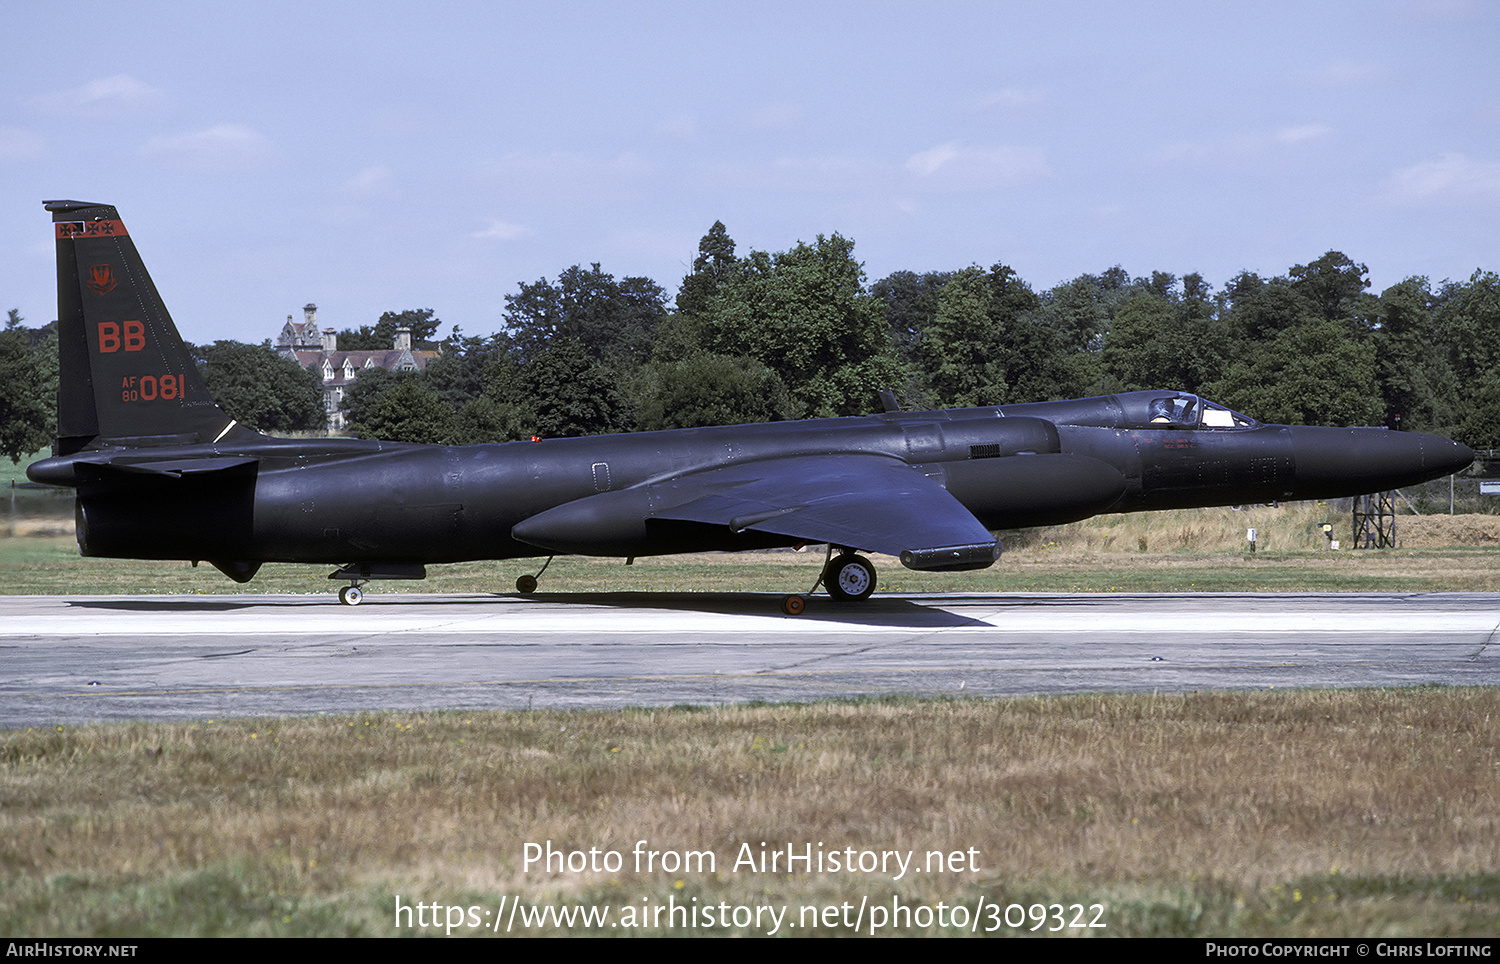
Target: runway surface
point(75, 659)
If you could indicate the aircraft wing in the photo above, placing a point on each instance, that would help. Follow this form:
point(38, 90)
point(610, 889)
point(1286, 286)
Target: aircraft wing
point(869, 502)
point(861, 501)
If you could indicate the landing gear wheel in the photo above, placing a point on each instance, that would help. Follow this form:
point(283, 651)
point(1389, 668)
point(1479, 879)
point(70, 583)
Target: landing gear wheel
point(351, 596)
point(526, 585)
point(849, 576)
point(793, 605)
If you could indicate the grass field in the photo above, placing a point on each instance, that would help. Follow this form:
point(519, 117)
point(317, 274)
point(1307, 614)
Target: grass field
point(1222, 814)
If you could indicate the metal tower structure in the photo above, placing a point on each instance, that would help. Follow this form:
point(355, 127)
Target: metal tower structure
point(1375, 521)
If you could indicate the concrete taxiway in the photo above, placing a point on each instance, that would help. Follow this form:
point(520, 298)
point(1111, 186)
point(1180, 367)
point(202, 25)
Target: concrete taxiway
point(76, 659)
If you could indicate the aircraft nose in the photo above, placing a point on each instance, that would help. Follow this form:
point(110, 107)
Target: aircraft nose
point(1352, 461)
point(1445, 455)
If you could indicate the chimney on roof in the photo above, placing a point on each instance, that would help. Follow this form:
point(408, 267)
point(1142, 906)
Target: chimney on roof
point(310, 315)
point(330, 340)
point(403, 339)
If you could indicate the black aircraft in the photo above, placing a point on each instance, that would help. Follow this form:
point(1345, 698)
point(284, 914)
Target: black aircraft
point(161, 472)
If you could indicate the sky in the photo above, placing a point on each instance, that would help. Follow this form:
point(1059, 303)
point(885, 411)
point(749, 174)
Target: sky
point(380, 156)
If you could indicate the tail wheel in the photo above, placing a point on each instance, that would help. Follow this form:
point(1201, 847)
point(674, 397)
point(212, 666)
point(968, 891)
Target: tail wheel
point(849, 576)
point(793, 605)
point(526, 585)
point(351, 595)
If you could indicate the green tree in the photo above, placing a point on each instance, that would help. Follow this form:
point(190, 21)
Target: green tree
point(1333, 284)
point(361, 398)
point(1466, 334)
point(911, 302)
point(1165, 342)
point(964, 346)
point(1310, 374)
point(1416, 382)
point(613, 321)
point(397, 407)
point(805, 314)
point(991, 343)
point(423, 323)
point(714, 263)
point(1080, 313)
point(707, 389)
point(1480, 424)
point(1466, 325)
point(570, 393)
point(28, 387)
point(260, 389)
point(489, 419)
point(468, 366)
point(1261, 310)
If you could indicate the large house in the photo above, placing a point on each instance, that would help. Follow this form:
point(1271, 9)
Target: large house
point(319, 351)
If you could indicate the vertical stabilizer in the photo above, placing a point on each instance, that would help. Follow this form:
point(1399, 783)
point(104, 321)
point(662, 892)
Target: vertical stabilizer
point(124, 374)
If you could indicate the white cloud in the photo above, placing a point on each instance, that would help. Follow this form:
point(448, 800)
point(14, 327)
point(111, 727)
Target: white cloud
point(376, 181)
point(1241, 147)
point(1302, 132)
point(952, 166)
point(1450, 177)
point(503, 231)
point(824, 172)
point(120, 94)
point(565, 165)
point(772, 116)
point(1441, 11)
point(563, 175)
point(1348, 73)
point(17, 144)
point(219, 147)
point(1008, 97)
point(678, 125)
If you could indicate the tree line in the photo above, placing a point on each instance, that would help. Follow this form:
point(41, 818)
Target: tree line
point(765, 336)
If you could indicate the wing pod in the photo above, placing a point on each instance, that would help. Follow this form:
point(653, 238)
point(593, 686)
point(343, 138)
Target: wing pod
point(952, 558)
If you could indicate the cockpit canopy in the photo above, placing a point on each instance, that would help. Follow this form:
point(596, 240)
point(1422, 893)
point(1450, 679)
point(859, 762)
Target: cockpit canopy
point(1180, 410)
point(1148, 409)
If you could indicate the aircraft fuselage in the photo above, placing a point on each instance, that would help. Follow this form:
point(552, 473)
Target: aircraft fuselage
point(329, 501)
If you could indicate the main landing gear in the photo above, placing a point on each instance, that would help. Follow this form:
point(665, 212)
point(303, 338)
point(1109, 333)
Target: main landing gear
point(848, 577)
point(359, 573)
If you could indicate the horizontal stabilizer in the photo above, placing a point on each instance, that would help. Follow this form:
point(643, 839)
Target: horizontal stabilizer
point(65, 470)
point(181, 467)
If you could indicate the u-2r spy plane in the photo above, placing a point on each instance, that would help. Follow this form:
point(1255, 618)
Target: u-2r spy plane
point(161, 472)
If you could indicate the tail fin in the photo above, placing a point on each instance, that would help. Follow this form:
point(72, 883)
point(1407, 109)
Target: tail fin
point(125, 377)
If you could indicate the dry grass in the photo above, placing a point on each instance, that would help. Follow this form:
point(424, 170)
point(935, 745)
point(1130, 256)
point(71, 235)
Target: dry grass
point(1357, 812)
